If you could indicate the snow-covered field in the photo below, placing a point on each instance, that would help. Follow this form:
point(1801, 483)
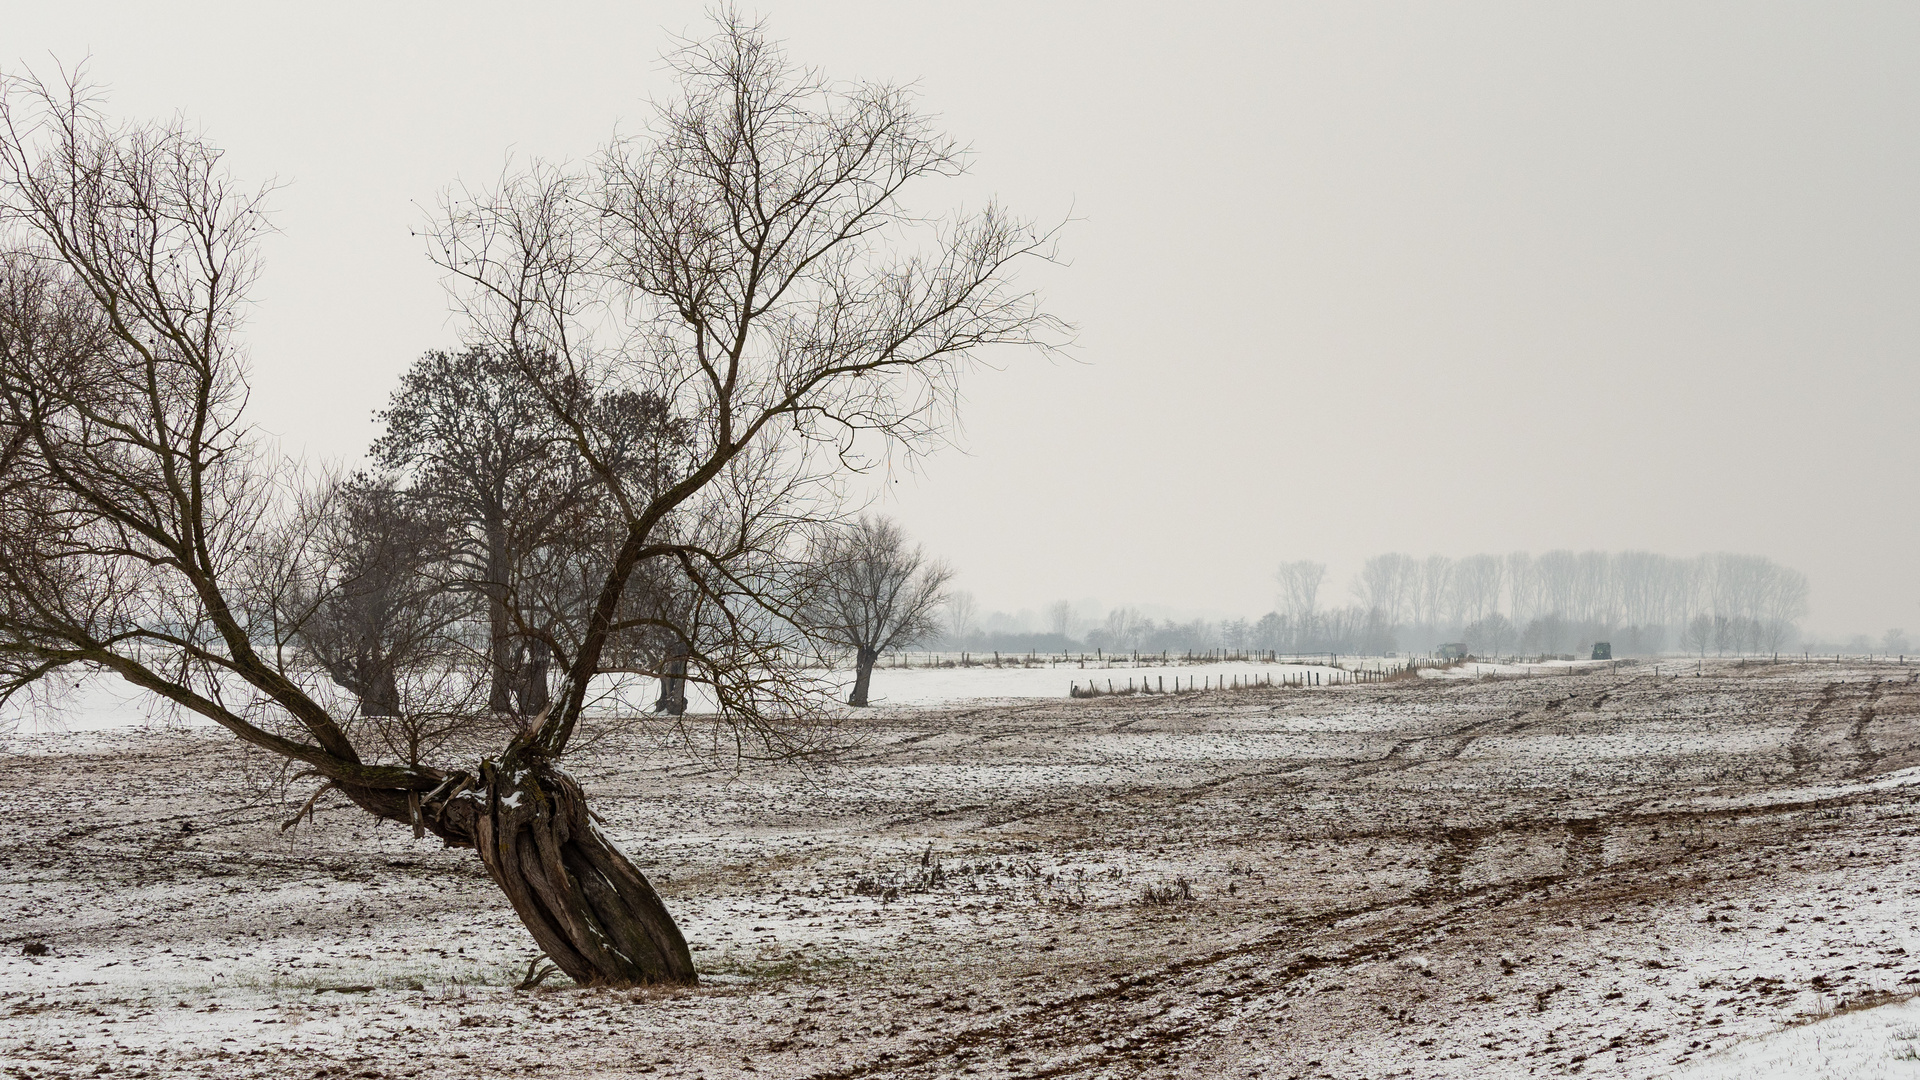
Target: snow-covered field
point(103, 702)
point(1879, 1043)
point(1607, 872)
point(97, 703)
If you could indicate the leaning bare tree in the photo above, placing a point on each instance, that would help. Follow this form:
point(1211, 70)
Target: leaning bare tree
point(749, 261)
point(873, 593)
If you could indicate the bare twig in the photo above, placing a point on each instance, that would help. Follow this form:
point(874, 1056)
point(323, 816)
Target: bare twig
point(307, 807)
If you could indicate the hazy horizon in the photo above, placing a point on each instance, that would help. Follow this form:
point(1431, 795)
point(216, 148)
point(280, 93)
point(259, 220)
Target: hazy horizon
point(1347, 280)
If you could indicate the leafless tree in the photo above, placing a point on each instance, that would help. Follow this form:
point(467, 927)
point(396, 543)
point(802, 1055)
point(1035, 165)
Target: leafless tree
point(1122, 630)
point(1490, 634)
point(1782, 604)
point(1641, 581)
point(352, 582)
point(1060, 618)
point(478, 442)
point(1300, 582)
point(1523, 588)
point(1697, 634)
point(962, 619)
point(1386, 584)
point(1477, 582)
point(364, 596)
point(1594, 598)
point(749, 261)
point(1556, 578)
point(474, 434)
point(874, 593)
point(1434, 589)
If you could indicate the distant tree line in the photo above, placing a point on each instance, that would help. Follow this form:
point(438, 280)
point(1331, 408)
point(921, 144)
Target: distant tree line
point(1563, 601)
point(1553, 603)
point(1128, 630)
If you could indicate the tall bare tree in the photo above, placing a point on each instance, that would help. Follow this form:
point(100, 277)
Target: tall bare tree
point(1557, 576)
point(749, 261)
point(1433, 589)
point(474, 434)
point(1387, 584)
point(1523, 588)
point(962, 614)
point(1477, 580)
point(480, 444)
point(1300, 582)
point(1060, 618)
point(874, 593)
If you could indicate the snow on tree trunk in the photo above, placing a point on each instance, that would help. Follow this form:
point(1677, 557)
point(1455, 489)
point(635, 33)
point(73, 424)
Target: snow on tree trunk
point(587, 906)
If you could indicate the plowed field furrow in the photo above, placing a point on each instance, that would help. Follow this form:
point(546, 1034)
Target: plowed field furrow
point(1610, 873)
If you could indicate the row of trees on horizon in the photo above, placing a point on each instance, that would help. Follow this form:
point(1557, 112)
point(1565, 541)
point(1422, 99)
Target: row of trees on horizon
point(1643, 603)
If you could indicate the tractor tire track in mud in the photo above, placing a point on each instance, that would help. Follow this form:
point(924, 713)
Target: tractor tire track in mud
point(1583, 840)
point(1140, 1023)
point(1146, 1037)
point(1450, 865)
point(1367, 866)
point(1449, 747)
point(1451, 743)
point(1858, 737)
point(1071, 1018)
point(1799, 750)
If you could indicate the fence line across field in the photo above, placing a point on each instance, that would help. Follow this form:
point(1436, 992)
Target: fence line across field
point(932, 658)
point(1201, 684)
point(96, 702)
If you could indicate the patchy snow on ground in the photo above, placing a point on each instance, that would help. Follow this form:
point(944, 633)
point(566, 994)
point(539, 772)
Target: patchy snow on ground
point(1605, 873)
point(1879, 1043)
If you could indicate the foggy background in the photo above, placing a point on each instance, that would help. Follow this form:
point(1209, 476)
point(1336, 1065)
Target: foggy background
point(1348, 280)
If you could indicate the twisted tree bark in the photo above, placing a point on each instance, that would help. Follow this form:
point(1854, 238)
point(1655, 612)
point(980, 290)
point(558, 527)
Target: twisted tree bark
point(587, 906)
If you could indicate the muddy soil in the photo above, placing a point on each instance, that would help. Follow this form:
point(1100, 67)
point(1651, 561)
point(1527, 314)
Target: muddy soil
point(1611, 873)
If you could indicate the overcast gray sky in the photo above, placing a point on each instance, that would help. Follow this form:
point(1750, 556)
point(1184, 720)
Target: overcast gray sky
point(1348, 278)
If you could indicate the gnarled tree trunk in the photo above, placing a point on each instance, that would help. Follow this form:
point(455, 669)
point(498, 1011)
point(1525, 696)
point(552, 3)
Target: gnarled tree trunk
point(588, 907)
